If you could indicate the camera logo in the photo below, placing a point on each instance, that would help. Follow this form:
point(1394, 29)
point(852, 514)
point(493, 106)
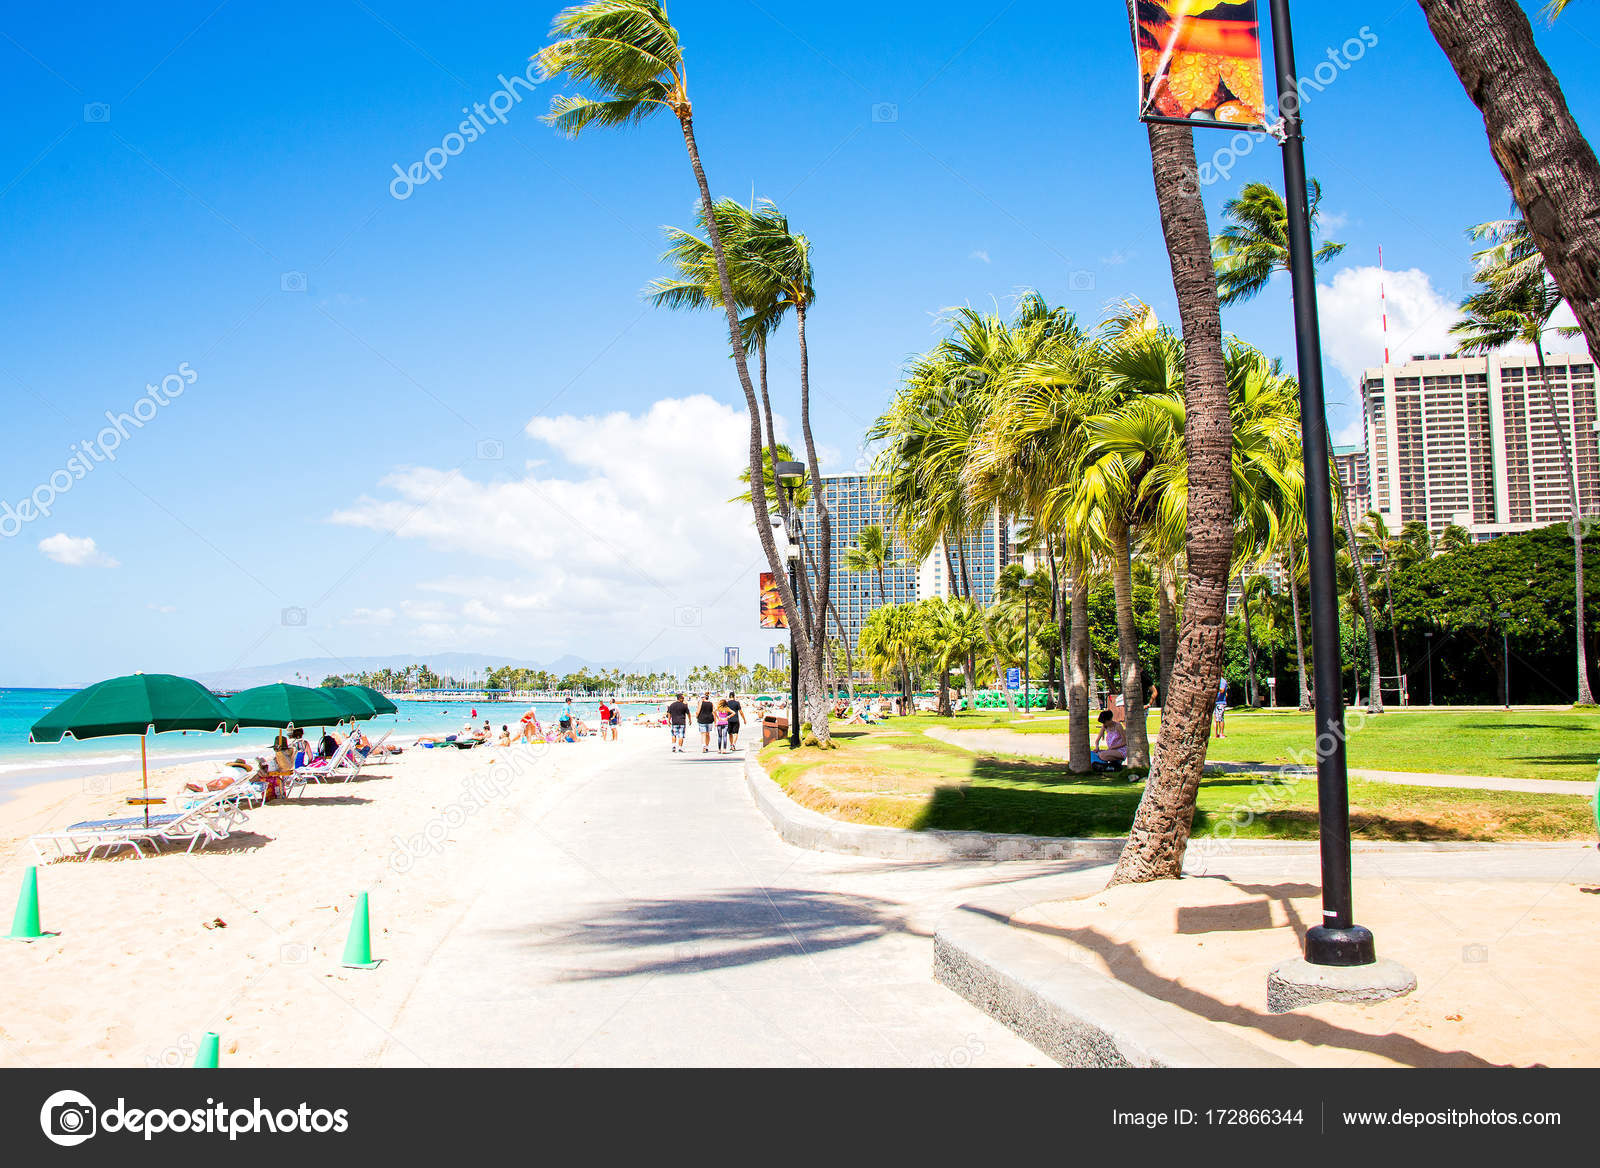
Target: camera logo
point(885, 113)
point(68, 1118)
point(293, 618)
point(292, 281)
point(97, 112)
point(491, 450)
point(687, 617)
point(1081, 281)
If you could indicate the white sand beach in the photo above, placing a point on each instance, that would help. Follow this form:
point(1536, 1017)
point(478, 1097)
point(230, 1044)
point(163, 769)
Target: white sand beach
point(246, 937)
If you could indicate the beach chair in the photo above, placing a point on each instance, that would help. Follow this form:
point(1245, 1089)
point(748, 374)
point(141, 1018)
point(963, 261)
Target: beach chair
point(343, 766)
point(204, 820)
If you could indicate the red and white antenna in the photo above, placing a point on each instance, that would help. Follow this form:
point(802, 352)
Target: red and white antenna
point(1383, 299)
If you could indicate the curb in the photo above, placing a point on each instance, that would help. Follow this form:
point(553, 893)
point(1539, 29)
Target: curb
point(805, 828)
point(1074, 1014)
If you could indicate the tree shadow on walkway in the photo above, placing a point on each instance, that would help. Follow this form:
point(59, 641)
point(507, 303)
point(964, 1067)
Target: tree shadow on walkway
point(722, 930)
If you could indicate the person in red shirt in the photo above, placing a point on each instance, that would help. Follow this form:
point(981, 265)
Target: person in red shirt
point(605, 720)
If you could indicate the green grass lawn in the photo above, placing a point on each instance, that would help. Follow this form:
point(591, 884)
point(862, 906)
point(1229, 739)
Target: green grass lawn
point(1491, 743)
point(896, 776)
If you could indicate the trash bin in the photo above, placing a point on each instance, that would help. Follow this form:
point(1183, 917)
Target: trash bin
point(774, 729)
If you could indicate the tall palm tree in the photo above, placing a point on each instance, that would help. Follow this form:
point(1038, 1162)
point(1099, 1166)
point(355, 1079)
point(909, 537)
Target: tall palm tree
point(1515, 305)
point(1379, 545)
point(1160, 833)
point(1255, 243)
point(954, 630)
point(630, 56)
point(1541, 150)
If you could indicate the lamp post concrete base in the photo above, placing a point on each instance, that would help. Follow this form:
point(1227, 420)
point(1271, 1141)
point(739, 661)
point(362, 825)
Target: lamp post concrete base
point(1298, 983)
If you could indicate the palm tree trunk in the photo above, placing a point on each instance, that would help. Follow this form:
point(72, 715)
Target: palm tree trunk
point(1167, 618)
point(1394, 633)
point(1306, 703)
point(1585, 694)
point(824, 525)
point(1374, 691)
point(945, 709)
point(758, 489)
point(1128, 646)
point(1078, 741)
point(1249, 643)
point(1547, 162)
point(1159, 837)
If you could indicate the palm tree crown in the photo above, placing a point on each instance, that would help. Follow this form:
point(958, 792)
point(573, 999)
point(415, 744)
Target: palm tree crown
point(1255, 243)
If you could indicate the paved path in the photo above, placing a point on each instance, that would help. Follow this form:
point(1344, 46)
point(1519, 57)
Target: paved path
point(1054, 746)
point(649, 915)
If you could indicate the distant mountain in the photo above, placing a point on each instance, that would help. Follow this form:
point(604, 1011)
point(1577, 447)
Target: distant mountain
point(311, 670)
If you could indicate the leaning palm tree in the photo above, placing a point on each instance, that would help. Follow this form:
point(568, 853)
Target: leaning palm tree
point(629, 55)
point(1380, 546)
point(1255, 243)
point(1515, 305)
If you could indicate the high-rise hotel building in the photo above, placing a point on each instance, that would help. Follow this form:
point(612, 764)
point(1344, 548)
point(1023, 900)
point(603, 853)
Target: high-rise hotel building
point(1473, 441)
point(856, 501)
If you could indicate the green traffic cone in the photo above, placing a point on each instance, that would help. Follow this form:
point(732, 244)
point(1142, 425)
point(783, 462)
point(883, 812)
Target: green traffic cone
point(358, 949)
point(25, 925)
point(209, 1049)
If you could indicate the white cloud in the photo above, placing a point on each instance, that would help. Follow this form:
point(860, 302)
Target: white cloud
point(981, 256)
point(75, 552)
point(1420, 317)
point(164, 609)
point(632, 541)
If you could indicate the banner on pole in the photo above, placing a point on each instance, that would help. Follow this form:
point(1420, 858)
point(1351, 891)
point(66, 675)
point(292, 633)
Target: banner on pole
point(1200, 64)
point(772, 614)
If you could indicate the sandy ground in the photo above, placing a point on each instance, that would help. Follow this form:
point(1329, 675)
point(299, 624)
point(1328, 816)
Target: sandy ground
point(1501, 965)
point(246, 938)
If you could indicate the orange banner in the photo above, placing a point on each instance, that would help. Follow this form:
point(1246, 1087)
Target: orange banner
point(1200, 63)
point(772, 613)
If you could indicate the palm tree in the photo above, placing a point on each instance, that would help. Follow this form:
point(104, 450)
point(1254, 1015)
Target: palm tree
point(1537, 143)
point(954, 630)
point(1160, 833)
point(1378, 545)
point(630, 55)
point(872, 553)
point(1255, 243)
point(894, 637)
point(1515, 305)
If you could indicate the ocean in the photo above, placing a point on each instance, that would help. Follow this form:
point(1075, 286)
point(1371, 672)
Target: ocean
point(23, 763)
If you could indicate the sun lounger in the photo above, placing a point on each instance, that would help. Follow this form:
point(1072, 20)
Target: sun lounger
point(207, 819)
point(343, 766)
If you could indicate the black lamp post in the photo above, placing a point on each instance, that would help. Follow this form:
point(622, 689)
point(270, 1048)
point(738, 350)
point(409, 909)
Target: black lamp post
point(1428, 636)
point(1338, 940)
point(790, 476)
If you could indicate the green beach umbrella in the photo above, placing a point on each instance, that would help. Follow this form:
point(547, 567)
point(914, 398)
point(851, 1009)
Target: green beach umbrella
point(145, 703)
point(280, 706)
point(380, 704)
point(354, 704)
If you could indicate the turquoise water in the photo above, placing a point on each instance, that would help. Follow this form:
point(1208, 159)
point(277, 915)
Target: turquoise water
point(23, 763)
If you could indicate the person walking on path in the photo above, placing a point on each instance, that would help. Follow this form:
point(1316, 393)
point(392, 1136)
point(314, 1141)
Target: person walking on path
point(734, 721)
point(1221, 715)
point(678, 720)
point(723, 714)
point(705, 719)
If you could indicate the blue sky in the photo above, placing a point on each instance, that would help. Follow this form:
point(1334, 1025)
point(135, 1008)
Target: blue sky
point(448, 421)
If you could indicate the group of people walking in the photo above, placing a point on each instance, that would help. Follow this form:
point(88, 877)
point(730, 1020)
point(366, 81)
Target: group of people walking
point(721, 716)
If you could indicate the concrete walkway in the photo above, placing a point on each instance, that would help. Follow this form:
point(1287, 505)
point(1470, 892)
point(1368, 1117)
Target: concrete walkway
point(648, 915)
point(1054, 746)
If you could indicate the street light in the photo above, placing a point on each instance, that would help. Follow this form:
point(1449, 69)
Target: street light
point(1338, 941)
point(1428, 636)
point(791, 476)
point(1505, 649)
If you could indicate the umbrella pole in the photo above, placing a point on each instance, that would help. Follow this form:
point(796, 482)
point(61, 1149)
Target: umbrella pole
point(144, 773)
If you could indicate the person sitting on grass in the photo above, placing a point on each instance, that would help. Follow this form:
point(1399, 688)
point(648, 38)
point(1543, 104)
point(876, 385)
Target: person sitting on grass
point(1111, 744)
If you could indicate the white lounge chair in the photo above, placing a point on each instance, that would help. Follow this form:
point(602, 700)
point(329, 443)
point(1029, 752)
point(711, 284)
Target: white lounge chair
point(204, 820)
point(343, 766)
